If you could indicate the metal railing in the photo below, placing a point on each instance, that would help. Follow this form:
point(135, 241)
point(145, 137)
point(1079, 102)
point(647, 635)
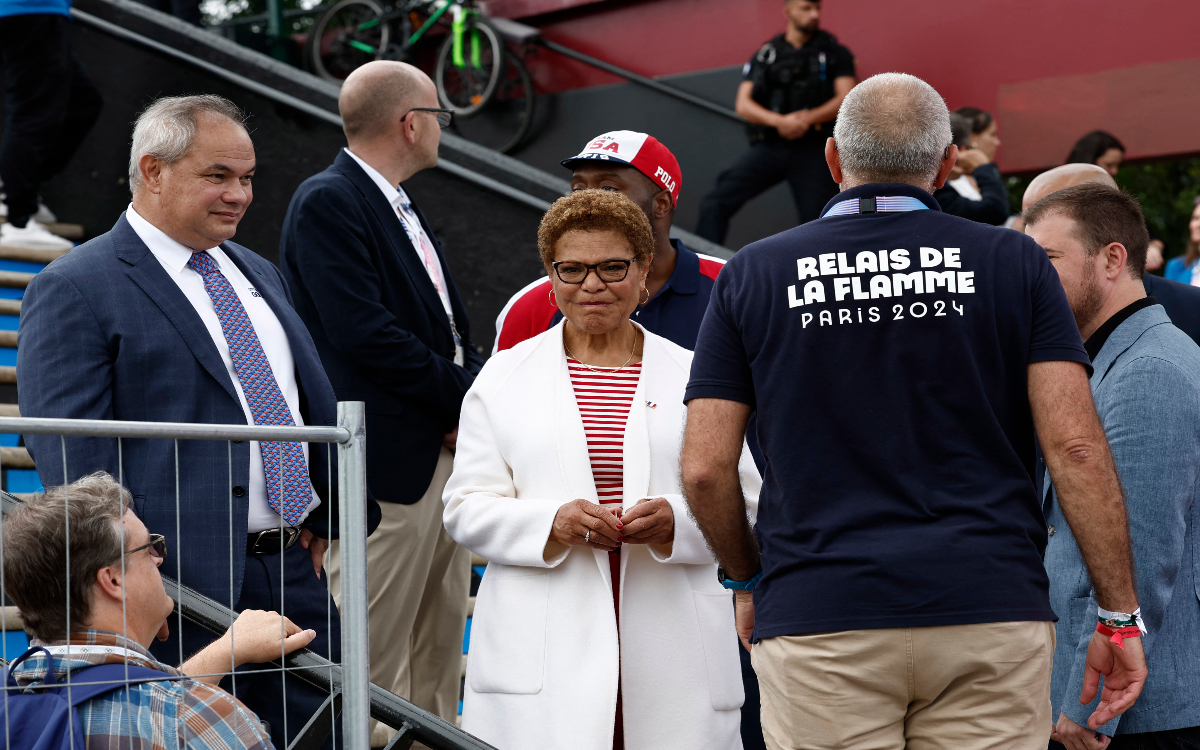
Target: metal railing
point(348, 685)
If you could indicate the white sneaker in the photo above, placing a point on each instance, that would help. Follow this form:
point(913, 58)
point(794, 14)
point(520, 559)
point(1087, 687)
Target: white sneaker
point(33, 235)
point(45, 215)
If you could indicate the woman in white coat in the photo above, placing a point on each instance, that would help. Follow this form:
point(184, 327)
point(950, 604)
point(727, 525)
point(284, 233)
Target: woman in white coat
point(600, 623)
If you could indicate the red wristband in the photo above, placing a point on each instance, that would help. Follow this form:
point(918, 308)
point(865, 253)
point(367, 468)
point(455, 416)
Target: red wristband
point(1119, 635)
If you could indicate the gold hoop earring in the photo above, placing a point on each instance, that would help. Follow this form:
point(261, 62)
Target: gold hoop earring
point(552, 298)
point(640, 303)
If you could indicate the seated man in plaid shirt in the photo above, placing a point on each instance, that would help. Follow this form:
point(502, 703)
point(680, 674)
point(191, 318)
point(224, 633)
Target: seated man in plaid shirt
point(116, 615)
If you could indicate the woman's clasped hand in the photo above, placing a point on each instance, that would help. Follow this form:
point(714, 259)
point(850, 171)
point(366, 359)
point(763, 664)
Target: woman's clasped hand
point(579, 522)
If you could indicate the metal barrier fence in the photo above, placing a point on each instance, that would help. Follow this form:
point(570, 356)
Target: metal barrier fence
point(350, 692)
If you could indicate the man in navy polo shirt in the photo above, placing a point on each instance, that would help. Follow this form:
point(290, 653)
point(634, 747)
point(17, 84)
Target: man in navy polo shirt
point(900, 360)
point(680, 280)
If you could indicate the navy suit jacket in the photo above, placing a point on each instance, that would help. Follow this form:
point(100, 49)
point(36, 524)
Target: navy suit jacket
point(107, 334)
point(1181, 301)
point(378, 323)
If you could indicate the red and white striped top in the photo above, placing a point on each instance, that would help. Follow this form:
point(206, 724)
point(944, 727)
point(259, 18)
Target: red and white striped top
point(605, 396)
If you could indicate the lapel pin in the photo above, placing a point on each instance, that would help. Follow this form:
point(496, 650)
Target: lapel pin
point(652, 405)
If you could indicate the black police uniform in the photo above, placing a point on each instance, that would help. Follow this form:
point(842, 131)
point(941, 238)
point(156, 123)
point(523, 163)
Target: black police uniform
point(785, 79)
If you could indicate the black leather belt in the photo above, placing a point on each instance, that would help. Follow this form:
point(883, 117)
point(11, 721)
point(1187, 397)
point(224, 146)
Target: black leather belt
point(271, 541)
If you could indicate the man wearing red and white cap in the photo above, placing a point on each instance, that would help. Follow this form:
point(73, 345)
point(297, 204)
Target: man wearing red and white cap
point(680, 280)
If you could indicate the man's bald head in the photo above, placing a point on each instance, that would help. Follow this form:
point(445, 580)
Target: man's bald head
point(377, 94)
point(1060, 178)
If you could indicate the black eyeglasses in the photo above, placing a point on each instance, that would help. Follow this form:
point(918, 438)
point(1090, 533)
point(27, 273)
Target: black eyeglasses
point(444, 116)
point(608, 271)
point(157, 546)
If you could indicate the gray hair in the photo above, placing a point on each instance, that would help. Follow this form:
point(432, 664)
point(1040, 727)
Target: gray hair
point(892, 127)
point(91, 511)
point(167, 128)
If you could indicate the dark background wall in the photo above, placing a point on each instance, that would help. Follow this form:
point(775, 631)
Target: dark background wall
point(703, 142)
point(490, 240)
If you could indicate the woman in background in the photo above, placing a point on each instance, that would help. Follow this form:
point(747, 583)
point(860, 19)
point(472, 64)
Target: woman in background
point(975, 190)
point(1184, 267)
point(1099, 148)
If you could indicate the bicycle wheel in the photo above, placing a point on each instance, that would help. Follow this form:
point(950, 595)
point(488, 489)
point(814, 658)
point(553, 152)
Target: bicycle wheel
point(350, 34)
point(467, 88)
point(503, 123)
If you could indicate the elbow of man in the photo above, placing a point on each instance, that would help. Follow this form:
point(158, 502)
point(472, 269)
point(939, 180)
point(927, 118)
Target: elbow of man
point(1081, 452)
point(703, 477)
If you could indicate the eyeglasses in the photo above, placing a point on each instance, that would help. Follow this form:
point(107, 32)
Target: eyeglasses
point(608, 271)
point(444, 116)
point(157, 546)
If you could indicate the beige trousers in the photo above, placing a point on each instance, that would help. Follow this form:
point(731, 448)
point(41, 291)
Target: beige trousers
point(418, 583)
point(966, 687)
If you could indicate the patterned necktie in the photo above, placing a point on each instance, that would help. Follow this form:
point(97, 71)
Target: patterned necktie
point(289, 498)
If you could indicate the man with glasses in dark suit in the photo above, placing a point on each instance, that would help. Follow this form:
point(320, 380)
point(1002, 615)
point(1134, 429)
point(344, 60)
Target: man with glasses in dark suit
point(369, 279)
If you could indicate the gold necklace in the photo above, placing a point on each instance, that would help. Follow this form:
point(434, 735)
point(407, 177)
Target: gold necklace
point(606, 369)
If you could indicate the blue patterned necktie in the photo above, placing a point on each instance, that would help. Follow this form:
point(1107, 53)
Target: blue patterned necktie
point(289, 498)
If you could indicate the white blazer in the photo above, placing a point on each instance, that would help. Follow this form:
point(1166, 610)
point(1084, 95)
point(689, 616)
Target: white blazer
point(543, 663)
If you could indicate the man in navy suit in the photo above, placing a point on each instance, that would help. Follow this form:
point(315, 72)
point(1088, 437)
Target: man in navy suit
point(163, 319)
point(371, 282)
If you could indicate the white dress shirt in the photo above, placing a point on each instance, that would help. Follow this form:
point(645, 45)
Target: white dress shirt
point(422, 245)
point(962, 184)
point(174, 258)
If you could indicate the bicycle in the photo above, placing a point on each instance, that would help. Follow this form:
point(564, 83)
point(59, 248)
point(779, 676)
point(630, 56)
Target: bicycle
point(472, 63)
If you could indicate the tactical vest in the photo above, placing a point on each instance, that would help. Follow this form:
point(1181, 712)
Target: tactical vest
point(784, 81)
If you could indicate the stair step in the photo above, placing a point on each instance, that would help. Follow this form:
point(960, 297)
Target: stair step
point(15, 458)
point(10, 410)
point(10, 307)
point(15, 279)
point(66, 231)
point(8, 375)
point(30, 254)
point(12, 620)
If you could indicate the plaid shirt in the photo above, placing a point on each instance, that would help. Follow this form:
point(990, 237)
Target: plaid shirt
point(153, 715)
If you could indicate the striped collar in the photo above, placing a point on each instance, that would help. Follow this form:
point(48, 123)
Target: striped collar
point(876, 204)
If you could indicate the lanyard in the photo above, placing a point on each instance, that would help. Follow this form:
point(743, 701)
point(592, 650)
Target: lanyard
point(93, 649)
point(880, 204)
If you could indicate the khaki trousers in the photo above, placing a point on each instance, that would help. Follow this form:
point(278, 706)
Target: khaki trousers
point(418, 583)
point(957, 687)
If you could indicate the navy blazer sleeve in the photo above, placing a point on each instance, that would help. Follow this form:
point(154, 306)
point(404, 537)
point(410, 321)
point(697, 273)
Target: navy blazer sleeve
point(993, 209)
point(329, 251)
point(65, 370)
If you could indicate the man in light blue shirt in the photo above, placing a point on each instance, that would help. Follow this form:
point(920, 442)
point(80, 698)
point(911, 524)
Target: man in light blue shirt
point(50, 104)
point(1146, 385)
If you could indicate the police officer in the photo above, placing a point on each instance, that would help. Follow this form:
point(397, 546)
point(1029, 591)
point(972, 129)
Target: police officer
point(790, 95)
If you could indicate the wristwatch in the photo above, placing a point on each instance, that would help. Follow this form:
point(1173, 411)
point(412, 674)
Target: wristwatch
point(738, 585)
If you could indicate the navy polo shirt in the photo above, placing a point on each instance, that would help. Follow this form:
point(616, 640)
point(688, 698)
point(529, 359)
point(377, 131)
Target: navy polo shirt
point(674, 312)
point(887, 355)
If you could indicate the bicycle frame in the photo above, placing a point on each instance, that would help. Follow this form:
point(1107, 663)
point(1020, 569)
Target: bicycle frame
point(457, 30)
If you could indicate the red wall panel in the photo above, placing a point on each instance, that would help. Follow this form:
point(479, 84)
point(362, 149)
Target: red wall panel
point(971, 51)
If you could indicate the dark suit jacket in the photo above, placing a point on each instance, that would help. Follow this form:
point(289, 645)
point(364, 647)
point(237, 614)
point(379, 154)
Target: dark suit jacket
point(107, 334)
point(1181, 301)
point(378, 323)
point(993, 209)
